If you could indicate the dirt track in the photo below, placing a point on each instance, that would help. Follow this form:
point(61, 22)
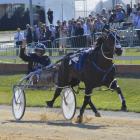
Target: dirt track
point(42, 124)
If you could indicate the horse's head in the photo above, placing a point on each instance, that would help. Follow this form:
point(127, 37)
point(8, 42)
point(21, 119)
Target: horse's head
point(115, 39)
point(110, 43)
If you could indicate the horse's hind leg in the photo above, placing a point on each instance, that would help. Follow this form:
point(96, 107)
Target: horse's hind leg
point(116, 87)
point(56, 95)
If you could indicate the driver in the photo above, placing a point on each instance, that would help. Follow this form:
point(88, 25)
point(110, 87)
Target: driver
point(35, 60)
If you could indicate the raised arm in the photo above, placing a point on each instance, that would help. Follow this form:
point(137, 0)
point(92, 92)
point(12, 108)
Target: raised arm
point(22, 54)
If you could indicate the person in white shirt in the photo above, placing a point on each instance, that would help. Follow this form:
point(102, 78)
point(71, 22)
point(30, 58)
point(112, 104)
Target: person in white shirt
point(137, 21)
point(87, 27)
point(133, 17)
point(18, 38)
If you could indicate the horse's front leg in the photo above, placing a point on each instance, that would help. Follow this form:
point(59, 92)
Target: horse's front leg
point(116, 87)
point(82, 109)
point(97, 114)
point(87, 100)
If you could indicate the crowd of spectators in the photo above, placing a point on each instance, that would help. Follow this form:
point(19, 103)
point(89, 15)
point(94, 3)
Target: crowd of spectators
point(122, 17)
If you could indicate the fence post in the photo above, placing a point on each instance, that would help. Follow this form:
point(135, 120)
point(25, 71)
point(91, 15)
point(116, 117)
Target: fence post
point(131, 34)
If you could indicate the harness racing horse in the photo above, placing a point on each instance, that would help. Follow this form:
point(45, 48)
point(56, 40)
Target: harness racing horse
point(96, 69)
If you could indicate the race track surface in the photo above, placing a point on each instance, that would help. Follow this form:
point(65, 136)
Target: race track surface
point(49, 124)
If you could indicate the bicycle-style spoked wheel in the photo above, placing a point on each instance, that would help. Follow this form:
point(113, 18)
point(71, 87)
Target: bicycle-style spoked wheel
point(18, 102)
point(68, 103)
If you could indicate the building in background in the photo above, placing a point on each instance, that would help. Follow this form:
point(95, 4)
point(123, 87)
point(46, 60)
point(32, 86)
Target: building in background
point(15, 13)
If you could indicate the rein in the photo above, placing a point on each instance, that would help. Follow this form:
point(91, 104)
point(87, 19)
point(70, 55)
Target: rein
point(108, 58)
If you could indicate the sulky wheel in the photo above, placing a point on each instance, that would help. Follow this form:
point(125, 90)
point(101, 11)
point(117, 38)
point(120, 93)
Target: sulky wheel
point(68, 103)
point(18, 103)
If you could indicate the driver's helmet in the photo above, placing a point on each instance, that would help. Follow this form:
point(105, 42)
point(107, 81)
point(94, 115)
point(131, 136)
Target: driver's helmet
point(40, 48)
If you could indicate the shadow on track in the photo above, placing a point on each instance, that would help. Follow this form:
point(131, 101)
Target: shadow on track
point(58, 123)
point(70, 124)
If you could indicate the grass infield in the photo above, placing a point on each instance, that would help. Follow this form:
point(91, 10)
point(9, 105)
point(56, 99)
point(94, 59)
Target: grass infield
point(106, 100)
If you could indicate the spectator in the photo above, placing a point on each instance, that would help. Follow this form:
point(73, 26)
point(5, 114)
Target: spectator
point(104, 13)
point(29, 34)
point(98, 25)
point(134, 9)
point(63, 34)
point(57, 33)
point(52, 29)
point(129, 10)
point(120, 14)
point(79, 31)
point(92, 26)
point(43, 33)
point(138, 8)
point(87, 27)
point(74, 24)
point(18, 37)
point(48, 39)
point(133, 18)
point(48, 33)
point(50, 16)
point(36, 33)
point(57, 29)
point(70, 27)
point(137, 24)
point(79, 41)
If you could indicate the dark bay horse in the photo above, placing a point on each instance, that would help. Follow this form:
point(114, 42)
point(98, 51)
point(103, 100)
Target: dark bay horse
point(97, 70)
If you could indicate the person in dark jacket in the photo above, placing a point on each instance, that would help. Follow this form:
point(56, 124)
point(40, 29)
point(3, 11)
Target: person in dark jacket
point(29, 34)
point(79, 40)
point(50, 16)
point(79, 31)
point(35, 60)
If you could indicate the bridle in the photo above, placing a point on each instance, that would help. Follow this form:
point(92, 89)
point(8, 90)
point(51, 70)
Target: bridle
point(114, 34)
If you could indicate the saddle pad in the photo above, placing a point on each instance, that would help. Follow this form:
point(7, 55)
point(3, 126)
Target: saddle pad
point(78, 60)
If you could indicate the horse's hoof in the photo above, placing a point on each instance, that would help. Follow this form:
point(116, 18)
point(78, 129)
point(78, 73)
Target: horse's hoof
point(79, 119)
point(97, 114)
point(49, 104)
point(123, 108)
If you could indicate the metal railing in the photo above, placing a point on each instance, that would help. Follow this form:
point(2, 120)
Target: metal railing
point(62, 46)
point(7, 36)
point(129, 37)
point(11, 55)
